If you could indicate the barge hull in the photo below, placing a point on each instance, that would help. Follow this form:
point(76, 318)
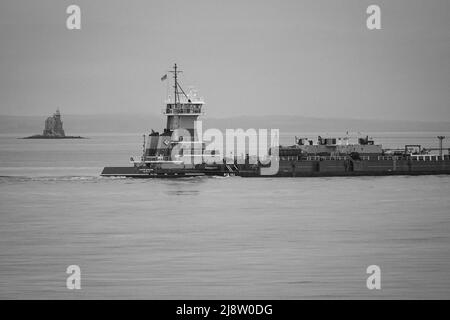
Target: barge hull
point(311, 168)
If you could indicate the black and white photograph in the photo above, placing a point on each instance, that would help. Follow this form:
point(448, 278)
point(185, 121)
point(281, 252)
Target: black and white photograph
point(224, 150)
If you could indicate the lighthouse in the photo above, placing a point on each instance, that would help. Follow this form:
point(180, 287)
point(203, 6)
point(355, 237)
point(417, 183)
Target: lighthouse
point(54, 126)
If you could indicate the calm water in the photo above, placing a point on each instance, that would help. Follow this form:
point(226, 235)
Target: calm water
point(213, 237)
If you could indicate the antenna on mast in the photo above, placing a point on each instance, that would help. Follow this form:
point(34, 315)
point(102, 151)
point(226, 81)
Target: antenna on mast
point(175, 87)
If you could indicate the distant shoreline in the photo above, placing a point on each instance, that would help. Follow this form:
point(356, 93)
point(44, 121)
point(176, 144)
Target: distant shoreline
point(130, 123)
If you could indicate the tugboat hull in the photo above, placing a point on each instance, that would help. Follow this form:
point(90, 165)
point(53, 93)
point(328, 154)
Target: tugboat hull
point(136, 172)
point(122, 171)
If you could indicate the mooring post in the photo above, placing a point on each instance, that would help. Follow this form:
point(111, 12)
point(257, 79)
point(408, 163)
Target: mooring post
point(441, 138)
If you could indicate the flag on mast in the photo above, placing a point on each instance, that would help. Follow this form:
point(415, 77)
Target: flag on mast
point(164, 77)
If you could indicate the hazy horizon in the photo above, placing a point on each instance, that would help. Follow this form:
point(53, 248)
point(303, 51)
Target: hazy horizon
point(303, 58)
point(144, 122)
point(223, 117)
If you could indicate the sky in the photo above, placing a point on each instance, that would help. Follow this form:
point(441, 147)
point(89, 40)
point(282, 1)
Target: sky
point(313, 58)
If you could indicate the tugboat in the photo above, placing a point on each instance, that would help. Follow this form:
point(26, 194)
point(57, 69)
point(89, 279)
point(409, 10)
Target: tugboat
point(178, 152)
point(175, 152)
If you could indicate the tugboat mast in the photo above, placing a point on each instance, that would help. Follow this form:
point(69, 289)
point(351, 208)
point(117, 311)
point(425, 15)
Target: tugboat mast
point(175, 87)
